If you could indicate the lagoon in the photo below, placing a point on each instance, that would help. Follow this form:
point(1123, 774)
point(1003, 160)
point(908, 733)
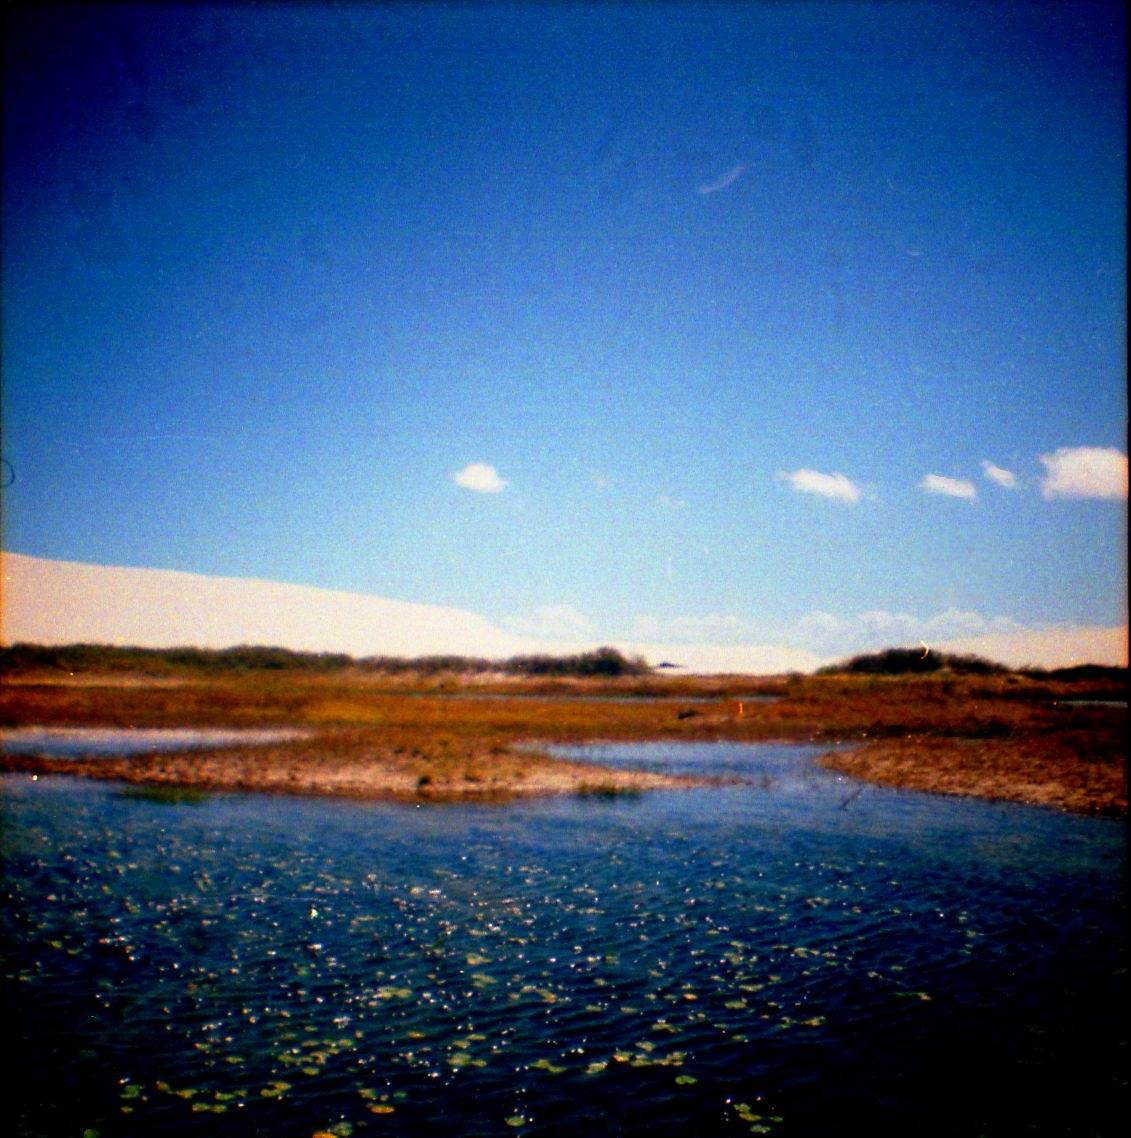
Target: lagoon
point(83, 742)
point(795, 955)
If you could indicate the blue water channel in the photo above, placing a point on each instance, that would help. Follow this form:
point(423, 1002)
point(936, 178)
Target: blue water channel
point(795, 955)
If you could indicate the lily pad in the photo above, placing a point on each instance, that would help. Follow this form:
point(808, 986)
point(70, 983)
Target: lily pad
point(546, 1065)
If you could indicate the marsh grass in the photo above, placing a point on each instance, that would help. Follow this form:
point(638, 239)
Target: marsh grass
point(166, 795)
point(1003, 735)
point(606, 791)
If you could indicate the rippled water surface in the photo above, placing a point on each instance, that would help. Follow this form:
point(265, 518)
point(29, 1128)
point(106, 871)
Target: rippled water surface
point(72, 742)
point(795, 956)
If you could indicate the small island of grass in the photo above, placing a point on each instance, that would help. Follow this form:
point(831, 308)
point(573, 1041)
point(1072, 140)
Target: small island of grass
point(451, 729)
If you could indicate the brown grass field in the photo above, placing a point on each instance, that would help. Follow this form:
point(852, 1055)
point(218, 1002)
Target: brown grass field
point(450, 737)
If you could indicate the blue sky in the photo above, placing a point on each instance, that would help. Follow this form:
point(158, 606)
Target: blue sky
point(274, 278)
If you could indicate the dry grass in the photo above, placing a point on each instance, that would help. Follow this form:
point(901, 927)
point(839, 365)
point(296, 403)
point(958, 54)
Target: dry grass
point(358, 763)
point(999, 736)
point(1039, 771)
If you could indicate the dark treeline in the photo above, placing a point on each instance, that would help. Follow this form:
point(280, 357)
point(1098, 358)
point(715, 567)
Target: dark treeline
point(912, 661)
point(603, 662)
point(599, 662)
point(905, 661)
point(109, 657)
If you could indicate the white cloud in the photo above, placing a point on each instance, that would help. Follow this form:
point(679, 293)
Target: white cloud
point(669, 503)
point(734, 659)
point(554, 622)
point(951, 487)
point(480, 477)
point(996, 474)
point(711, 628)
point(645, 628)
point(724, 180)
point(835, 486)
point(833, 636)
point(723, 642)
point(1085, 472)
point(959, 622)
point(818, 624)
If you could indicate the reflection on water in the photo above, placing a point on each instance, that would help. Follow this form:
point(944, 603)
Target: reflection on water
point(571, 697)
point(75, 742)
point(776, 957)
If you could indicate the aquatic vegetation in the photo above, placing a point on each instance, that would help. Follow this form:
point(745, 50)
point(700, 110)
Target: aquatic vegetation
point(166, 795)
point(354, 964)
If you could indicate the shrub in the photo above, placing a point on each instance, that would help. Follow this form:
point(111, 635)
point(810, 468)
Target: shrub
point(258, 658)
point(906, 661)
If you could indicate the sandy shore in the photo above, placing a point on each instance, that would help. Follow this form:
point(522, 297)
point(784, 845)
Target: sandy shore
point(350, 765)
point(353, 766)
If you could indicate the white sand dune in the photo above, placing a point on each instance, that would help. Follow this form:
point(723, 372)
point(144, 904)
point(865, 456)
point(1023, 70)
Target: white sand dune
point(1047, 647)
point(64, 602)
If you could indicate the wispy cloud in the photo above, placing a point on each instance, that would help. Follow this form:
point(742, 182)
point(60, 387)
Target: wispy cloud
point(830, 635)
point(480, 477)
point(724, 180)
point(950, 487)
point(958, 630)
point(835, 486)
point(997, 474)
point(554, 622)
point(1084, 472)
point(667, 502)
point(710, 628)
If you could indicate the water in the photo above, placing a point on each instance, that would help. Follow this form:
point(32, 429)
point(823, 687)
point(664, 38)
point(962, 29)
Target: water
point(793, 956)
point(573, 697)
point(83, 742)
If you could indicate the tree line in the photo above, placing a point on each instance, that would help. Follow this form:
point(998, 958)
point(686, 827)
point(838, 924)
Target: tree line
point(604, 662)
point(919, 661)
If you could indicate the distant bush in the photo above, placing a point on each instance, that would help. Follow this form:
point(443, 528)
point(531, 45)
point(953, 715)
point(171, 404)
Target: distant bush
point(110, 657)
point(601, 662)
point(252, 658)
point(911, 661)
point(890, 662)
point(971, 665)
point(1092, 673)
point(427, 665)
